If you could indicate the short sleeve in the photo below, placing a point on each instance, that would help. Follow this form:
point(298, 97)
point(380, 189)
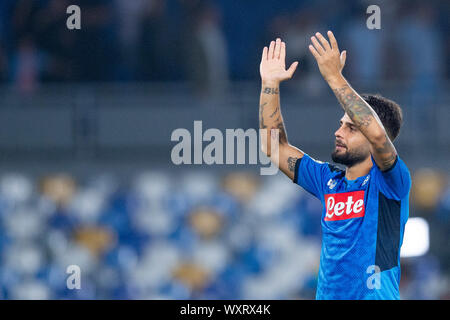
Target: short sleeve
point(310, 174)
point(395, 182)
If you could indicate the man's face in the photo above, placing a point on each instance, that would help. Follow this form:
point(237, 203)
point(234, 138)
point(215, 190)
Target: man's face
point(351, 146)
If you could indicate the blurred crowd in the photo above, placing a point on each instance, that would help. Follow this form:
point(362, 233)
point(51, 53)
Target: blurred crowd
point(194, 236)
point(210, 42)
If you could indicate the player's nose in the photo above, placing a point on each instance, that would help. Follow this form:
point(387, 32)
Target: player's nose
point(338, 133)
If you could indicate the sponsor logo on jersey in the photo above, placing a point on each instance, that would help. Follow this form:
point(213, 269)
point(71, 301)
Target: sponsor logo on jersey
point(346, 205)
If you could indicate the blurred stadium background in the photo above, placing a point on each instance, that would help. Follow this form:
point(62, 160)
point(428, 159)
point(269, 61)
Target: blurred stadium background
point(85, 124)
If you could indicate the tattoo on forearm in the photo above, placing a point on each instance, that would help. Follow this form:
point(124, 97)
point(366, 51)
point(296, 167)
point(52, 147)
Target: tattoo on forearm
point(274, 113)
point(268, 90)
point(272, 124)
point(386, 147)
point(355, 107)
point(282, 137)
point(388, 152)
point(261, 117)
point(389, 161)
point(291, 163)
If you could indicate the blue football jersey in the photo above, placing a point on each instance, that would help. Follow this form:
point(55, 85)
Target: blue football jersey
point(362, 228)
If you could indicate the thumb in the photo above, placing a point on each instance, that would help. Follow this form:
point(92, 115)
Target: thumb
point(292, 69)
point(343, 57)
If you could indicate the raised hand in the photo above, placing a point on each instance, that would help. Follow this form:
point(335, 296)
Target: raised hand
point(329, 59)
point(273, 66)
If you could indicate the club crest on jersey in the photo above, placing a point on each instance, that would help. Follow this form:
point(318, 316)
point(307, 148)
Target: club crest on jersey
point(331, 183)
point(346, 205)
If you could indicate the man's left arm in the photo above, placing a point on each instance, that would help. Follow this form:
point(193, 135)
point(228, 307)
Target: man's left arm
point(331, 62)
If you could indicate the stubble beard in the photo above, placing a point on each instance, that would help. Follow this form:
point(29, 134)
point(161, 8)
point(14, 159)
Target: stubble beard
point(349, 158)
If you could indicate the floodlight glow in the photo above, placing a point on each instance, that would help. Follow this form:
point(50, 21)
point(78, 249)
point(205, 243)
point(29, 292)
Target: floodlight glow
point(416, 241)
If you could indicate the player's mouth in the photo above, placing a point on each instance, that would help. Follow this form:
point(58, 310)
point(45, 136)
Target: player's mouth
point(340, 146)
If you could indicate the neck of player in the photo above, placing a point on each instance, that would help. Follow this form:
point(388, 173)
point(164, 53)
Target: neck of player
point(359, 169)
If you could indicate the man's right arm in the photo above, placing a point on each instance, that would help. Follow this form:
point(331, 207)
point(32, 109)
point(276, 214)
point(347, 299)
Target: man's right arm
point(273, 72)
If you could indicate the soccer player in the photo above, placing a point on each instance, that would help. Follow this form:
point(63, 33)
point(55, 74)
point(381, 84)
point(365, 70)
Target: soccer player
point(365, 205)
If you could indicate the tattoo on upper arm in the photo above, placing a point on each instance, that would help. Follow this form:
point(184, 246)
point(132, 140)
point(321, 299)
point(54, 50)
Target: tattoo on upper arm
point(355, 106)
point(291, 163)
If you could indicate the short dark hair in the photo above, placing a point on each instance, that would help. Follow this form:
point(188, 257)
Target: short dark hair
point(388, 111)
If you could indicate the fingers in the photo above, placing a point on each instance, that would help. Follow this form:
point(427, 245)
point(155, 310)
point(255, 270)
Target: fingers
point(343, 57)
point(333, 41)
point(283, 51)
point(314, 52)
point(324, 41)
point(271, 50)
point(317, 46)
point(264, 54)
point(292, 69)
point(276, 50)
point(276, 54)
